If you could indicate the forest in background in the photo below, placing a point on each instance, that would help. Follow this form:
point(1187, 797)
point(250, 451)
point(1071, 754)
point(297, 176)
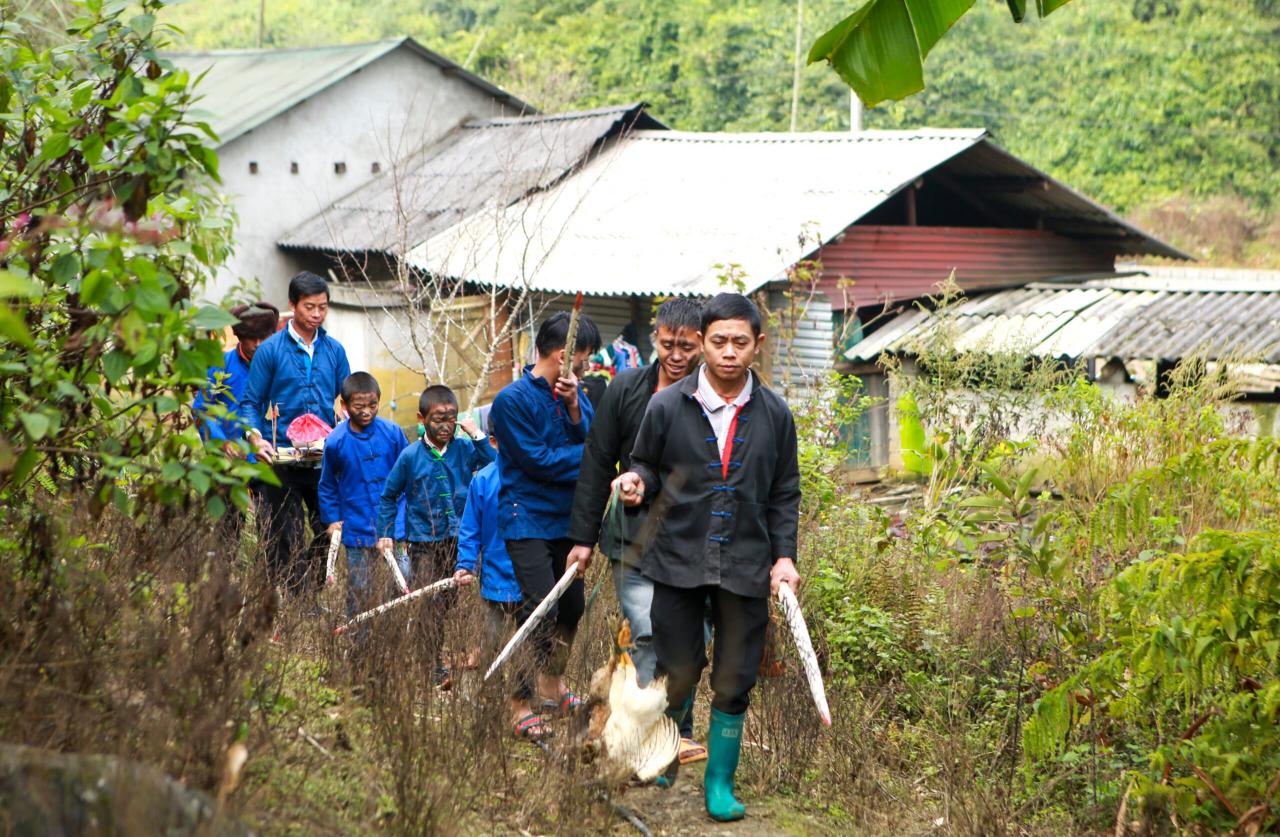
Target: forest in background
point(1167, 110)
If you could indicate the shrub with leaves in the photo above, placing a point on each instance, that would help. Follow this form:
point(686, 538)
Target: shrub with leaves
point(109, 221)
point(1190, 676)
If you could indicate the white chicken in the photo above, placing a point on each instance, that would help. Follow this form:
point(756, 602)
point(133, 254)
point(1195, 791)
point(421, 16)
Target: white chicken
point(629, 721)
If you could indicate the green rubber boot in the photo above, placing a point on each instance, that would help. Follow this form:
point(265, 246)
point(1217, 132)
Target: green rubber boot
point(724, 743)
point(668, 779)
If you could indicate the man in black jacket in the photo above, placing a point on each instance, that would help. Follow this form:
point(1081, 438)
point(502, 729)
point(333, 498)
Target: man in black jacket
point(717, 451)
point(608, 450)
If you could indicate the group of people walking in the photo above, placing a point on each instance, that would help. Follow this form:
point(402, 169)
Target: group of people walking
point(702, 454)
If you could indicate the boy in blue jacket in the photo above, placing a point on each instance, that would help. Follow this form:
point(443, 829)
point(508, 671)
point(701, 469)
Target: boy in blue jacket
point(541, 422)
point(482, 552)
point(432, 477)
point(358, 456)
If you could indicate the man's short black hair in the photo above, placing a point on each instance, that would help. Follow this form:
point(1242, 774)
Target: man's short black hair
point(677, 313)
point(359, 383)
point(307, 283)
point(729, 306)
point(555, 329)
point(434, 396)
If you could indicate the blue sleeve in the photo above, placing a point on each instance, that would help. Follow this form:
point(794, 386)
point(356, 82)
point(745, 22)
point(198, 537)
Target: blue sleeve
point(391, 507)
point(577, 433)
point(344, 369)
point(330, 506)
point(481, 455)
point(398, 443)
point(469, 542)
point(251, 408)
point(522, 444)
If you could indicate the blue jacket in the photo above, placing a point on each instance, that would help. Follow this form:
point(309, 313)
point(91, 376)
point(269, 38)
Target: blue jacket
point(538, 455)
point(479, 544)
point(233, 376)
point(352, 475)
point(434, 486)
point(281, 375)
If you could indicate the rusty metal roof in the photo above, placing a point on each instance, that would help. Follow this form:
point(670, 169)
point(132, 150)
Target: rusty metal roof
point(485, 162)
point(243, 88)
point(1131, 318)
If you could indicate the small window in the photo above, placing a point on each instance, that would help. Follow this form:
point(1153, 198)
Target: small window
point(293, 167)
point(253, 167)
point(375, 168)
point(339, 168)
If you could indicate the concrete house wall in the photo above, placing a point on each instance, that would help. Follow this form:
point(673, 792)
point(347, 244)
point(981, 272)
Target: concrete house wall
point(377, 114)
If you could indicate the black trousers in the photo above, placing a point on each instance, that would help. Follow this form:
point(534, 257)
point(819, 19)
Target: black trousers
point(284, 512)
point(738, 625)
point(538, 565)
point(431, 561)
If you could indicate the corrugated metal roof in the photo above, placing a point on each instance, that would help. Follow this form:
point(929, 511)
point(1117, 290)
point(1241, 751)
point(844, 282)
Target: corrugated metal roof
point(663, 212)
point(243, 88)
point(674, 212)
point(1099, 318)
point(491, 161)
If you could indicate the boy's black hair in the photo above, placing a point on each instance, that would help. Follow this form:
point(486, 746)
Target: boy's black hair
point(358, 383)
point(255, 321)
point(435, 395)
point(729, 306)
point(554, 330)
point(307, 283)
point(679, 312)
point(488, 423)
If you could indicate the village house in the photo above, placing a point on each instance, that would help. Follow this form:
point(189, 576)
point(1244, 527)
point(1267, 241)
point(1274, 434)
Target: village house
point(299, 128)
point(446, 256)
point(1126, 332)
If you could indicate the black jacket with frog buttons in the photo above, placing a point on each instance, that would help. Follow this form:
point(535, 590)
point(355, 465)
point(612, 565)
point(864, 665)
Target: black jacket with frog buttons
point(709, 529)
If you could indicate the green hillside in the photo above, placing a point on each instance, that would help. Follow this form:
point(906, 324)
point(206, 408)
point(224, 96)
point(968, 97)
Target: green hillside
point(1168, 110)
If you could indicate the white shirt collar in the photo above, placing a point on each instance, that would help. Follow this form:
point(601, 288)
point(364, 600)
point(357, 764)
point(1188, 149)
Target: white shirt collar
point(711, 400)
point(309, 348)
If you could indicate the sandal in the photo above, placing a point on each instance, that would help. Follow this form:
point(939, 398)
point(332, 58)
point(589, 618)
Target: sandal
point(568, 705)
point(530, 728)
point(691, 751)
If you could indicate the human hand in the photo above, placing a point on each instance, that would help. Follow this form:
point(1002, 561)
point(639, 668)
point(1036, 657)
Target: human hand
point(567, 392)
point(263, 448)
point(580, 555)
point(631, 487)
point(232, 450)
point(334, 527)
point(784, 572)
point(469, 427)
point(385, 544)
point(463, 577)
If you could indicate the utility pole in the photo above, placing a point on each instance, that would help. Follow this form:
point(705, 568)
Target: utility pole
point(855, 112)
point(262, 21)
point(795, 78)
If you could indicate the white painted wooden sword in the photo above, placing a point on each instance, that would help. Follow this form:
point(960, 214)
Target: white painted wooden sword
point(401, 585)
point(330, 565)
point(534, 618)
point(808, 659)
point(442, 584)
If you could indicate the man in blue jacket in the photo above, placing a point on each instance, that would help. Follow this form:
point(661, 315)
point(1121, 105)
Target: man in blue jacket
point(541, 422)
point(358, 456)
point(296, 371)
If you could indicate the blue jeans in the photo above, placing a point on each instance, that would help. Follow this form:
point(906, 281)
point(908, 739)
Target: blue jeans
point(635, 597)
point(360, 562)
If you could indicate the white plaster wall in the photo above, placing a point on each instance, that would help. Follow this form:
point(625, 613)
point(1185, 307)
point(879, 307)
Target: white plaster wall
point(380, 113)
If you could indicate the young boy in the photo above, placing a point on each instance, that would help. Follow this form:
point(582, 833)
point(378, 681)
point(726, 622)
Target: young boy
point(481, 552)
point(433, 478)
point(717, 451)
point(358, 456)
point(541, 422)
